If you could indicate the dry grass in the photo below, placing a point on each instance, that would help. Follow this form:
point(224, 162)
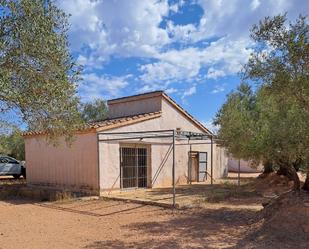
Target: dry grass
point(228, 191)
point(11, 188)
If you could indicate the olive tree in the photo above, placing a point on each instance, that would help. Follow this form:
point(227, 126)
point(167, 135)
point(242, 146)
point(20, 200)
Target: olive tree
point(94, 111)
point(38, 75)
point(273, 127)
point(13, 144)
point(281, 63)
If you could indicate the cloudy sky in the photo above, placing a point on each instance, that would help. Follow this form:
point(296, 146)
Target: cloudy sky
point(191, 49)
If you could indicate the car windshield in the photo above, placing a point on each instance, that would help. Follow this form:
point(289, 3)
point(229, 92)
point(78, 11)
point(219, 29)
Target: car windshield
point(7, 160)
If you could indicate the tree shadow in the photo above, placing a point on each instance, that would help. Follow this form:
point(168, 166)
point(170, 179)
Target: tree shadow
point(118, 244)
point(218, 193)
point(189, 229)
point(13, 191)
point(263, 237)
point(91, 212)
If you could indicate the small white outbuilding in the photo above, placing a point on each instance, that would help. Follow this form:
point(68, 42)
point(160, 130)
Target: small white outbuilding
point(133, 148)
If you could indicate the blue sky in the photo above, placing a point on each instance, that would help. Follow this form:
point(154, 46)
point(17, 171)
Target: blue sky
point(191, 49)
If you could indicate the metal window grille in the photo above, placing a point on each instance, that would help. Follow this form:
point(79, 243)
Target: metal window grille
point(133, 167)
point(202, 161)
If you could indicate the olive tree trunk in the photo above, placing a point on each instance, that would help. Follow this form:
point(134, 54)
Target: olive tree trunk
point(268, 167)
point(290, 172)
point(306, 184)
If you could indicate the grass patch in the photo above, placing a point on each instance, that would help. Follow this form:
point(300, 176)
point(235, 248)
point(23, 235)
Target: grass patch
point(228, 190)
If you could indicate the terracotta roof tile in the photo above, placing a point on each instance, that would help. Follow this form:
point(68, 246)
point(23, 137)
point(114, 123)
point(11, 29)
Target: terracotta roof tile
point(110, 123)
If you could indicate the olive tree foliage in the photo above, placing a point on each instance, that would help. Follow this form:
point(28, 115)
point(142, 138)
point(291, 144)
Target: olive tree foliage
point(270, 123)
point(38, 76)
point(13, 144)
point(236, 120)
point(281, 63)
point(94, 111)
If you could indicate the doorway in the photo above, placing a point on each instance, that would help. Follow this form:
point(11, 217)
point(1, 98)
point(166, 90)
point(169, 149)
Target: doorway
point(133, 167)
point(197, 166)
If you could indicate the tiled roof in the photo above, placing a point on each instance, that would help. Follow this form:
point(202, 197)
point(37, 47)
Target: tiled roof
point(108, 124)
point(122, 121)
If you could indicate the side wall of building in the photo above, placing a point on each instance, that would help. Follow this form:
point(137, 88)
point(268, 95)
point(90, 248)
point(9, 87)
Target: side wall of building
point(72, 167)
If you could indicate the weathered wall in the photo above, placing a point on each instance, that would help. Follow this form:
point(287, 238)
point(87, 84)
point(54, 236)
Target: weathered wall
point(74, 167)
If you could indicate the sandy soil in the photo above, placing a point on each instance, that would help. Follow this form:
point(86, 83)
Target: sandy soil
point(110, 224)
point(115, 224)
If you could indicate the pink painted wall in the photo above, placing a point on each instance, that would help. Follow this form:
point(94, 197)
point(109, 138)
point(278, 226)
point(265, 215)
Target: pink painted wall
point(72, 167)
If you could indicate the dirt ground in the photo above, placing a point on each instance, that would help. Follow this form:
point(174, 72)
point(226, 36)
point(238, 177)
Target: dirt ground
point(95, 224)
point(110, 224)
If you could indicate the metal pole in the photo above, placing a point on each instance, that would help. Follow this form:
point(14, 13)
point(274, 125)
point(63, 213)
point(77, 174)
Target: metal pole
point(190, 165)
point(211, 160)
point(98, 158)
point(173, 173)
point(136, 152)
point(239, 172)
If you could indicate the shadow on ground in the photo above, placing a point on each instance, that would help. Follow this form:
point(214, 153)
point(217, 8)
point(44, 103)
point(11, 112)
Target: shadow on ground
point(190, 229)
point(196, 195)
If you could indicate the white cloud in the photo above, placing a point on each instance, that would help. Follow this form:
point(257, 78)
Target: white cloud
point(123, 28)
point(209, 125)
point(235, 17)
point(181, 32)
point(171, 90)
point(255, 4)
point(218, 89)
point(126, 28)
point(213, 73)
point(174, 7)
point(189, 92)
point(222, 58)
point(95, 86)
point(132, 28)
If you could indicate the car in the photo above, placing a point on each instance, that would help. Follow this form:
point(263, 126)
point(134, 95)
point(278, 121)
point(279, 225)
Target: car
point(9, 166)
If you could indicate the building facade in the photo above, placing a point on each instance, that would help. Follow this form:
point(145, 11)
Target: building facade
point(130, 149)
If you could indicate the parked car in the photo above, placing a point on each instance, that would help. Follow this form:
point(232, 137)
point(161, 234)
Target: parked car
point(9, 166)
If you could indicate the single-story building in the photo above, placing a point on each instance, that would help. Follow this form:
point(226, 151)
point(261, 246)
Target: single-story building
point(243, 166)
point(133, 148)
